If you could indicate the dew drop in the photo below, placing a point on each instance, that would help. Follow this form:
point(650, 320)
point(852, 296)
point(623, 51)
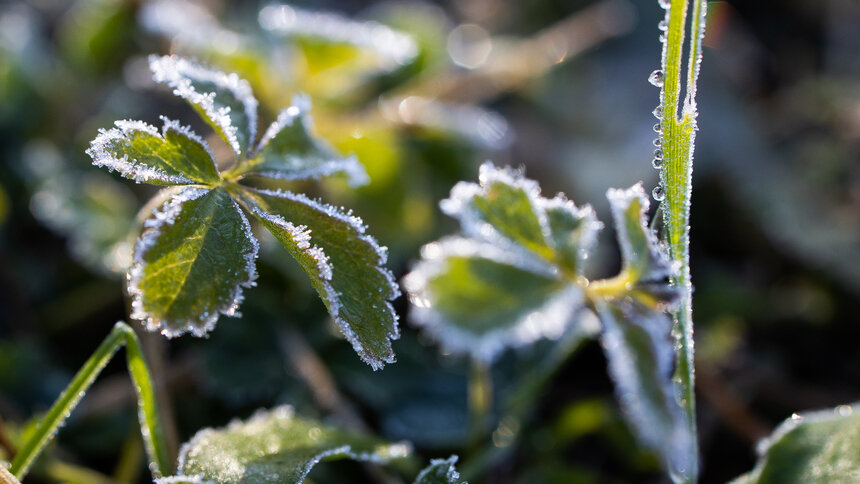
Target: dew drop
point(658, 154)
point(658, 142)
point(658, 129)
point(657, 163)
point(658, 193)
point(656, 78)
point(658, 112)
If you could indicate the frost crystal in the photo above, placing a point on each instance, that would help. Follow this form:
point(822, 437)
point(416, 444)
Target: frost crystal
point(185, 78)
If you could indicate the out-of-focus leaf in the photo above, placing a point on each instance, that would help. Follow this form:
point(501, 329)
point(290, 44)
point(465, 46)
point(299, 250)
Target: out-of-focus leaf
point(289, 150)
point(276, 446)
point(98, 33)
point(191, 263)
point(345, 265)
point(822, 446)
point(5, 476)
point(440, 471)
point(225, 101)
point(636, 334)
point(176, 156)
point(515, 279)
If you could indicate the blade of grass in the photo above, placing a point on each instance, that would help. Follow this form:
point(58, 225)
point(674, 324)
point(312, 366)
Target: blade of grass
point(153, 435)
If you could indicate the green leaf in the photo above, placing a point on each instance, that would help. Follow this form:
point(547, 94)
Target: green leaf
point(191, 262)
point(289, 150)
point(636, 335)
point(346, 266)
point(276, 446)
point(176, 156)
point(515, 278)
point(822, 446)
point(440, 471)
point(225, 101)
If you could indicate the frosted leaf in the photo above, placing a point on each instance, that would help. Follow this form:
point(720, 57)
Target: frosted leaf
point(822, 446)
point(346, 266)
point(138, 151)
point(192, 260)
point(277, 446)
point(517, 275)
point(6, 477)
point(183, 480)
point(440, 471)
point(476, 298)
point(289, 150)
point(393, 48)
point(225, 101)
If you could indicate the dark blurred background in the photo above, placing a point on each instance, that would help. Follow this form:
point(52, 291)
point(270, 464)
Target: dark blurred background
point(557, 87)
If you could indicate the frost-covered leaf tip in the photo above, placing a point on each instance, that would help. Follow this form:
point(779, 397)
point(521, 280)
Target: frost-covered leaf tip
point(225, 101)
point(289, 150)
point(512, 278)
point(440, 471)
point(822, 446)
point(277, 446)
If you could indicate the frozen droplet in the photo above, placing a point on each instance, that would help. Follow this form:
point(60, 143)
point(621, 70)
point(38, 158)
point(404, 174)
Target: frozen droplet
point(658, 129)
point(657, 163)
point(658, 112)
point(795, 417)
point(658, 142)
point(658, 193)
point(663, 25)
point(663, 37)
point(656, 78)
point(665, 4)
point(658, 154)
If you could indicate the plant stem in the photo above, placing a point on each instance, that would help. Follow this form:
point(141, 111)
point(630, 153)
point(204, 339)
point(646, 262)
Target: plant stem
point(5, 442)
point(153, 435)
point(480, 399)
point(678, 136)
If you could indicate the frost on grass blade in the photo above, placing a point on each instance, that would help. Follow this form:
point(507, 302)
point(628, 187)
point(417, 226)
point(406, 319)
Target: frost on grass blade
point(277, 446)
point(6, 477)
point(440, 471)
point(138, 151)
point(822, 446)
point(346, 267)
point(506, 209)
point(515, 278)
point(289, 150)
point(194, 257)
point(224, 100)
point(476, 298)
point(636, 335)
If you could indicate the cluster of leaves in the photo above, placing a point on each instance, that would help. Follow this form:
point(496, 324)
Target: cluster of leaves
point(517, 274)
point(198, 252)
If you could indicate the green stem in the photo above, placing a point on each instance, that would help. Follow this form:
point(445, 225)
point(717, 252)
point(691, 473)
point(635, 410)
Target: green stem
point(153, 435)
point(480, 400)
point(679, 127)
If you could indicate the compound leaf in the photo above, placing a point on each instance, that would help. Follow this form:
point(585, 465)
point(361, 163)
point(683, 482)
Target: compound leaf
point(176, 156)
point(440, 471)
point(822, 446)
point(636, 334)
point(514, 278)
point(289, 150)
point(225, 101)
point(191, 262)
point(346, 266)
point(276, 446)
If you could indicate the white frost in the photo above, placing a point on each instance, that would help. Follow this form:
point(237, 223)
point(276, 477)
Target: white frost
point(178, 73)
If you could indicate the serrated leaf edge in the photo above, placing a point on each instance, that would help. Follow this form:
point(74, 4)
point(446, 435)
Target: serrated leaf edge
point(549, 321)
point(171, 71)
point(138, 172)
point(287, 412)
point(300, 109)
point(166, 215)
point(334, 304)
